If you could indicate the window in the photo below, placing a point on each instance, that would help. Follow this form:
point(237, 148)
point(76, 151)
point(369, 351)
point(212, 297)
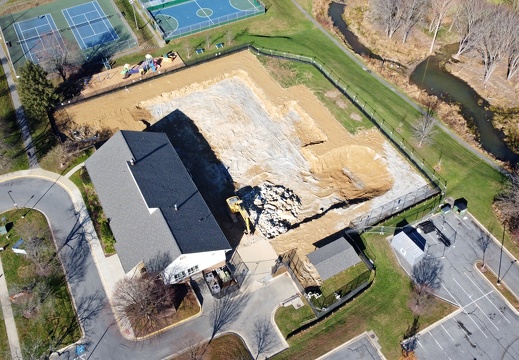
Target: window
point(192, 270)
point(180, 275)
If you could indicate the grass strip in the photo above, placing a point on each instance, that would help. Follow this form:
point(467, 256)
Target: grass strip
point(502, 288)
point(54, 322)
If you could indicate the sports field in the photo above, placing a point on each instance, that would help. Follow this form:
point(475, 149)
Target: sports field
point(183, 17)
point(79, 31)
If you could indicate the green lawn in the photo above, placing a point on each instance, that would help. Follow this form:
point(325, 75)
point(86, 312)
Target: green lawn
point(382, 308)
point(54, 324)
point(82, 181)
point(289, 318)
point(5, 351)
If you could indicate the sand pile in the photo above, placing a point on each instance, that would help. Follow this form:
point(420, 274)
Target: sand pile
point(273, 209)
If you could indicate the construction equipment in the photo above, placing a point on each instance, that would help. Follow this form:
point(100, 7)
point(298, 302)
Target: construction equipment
point(236, 206)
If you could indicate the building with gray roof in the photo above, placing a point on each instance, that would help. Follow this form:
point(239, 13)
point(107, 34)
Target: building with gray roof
point(153, 206)
point(409, 244)
point(334, 258)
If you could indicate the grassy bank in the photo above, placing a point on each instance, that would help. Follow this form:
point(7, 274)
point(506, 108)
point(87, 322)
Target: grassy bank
point(11, 147)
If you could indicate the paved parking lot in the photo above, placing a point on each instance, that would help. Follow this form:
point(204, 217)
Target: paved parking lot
point(363, 347)
point(484, 327)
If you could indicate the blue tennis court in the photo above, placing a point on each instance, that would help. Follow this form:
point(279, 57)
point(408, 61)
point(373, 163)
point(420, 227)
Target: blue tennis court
point(39, 38)
point(89, 25)
point(182, 17)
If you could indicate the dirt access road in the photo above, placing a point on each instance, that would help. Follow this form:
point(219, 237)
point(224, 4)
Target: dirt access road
point(235, 127)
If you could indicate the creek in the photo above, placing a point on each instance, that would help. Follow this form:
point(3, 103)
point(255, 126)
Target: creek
point(433, 78)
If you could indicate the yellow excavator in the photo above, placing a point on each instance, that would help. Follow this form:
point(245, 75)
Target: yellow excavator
point(236, 206)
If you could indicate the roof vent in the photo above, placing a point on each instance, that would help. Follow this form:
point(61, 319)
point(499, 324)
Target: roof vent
point(132, 162)
point(175, 207)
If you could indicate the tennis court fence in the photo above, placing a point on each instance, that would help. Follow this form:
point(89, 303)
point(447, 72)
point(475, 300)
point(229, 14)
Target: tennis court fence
point(212, 23)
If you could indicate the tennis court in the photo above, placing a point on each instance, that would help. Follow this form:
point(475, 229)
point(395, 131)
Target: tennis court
point(89, 25)
point(71, 31)
point(181, 17)
point(38, 37)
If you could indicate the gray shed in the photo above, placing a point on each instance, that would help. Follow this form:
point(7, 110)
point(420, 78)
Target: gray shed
point(334, 258)
point(409, 244)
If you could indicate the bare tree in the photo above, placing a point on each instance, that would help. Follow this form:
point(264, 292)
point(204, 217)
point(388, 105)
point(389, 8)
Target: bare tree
point(36, 235)
point(427, 275)
point(440, 9)
point(483, 242)
point(511, 31)
point(188, 48)
point(507, 203)
point(143, 301)
point(55, 57)
point(264, 336)
point(424, 129)
point(389, 13)
point(412, 12)
point(492, 44)
point(225, 310)
point(207, 41)
point(229, 37)
point(469, 24)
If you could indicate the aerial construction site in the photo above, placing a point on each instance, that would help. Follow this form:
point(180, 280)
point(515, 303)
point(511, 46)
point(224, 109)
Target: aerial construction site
point(301, 176)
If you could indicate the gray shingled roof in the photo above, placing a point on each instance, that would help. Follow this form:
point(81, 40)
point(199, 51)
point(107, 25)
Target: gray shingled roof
point(410, 244)
point(333, 258)
point(140, 199)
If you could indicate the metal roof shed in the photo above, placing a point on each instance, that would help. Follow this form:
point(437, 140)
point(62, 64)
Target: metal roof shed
point(410, 245)
point(333, 258)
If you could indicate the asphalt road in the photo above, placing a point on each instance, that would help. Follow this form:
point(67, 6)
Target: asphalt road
point(102, 338)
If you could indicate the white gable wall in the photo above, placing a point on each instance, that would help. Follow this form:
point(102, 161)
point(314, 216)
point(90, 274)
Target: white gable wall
point(189, 264)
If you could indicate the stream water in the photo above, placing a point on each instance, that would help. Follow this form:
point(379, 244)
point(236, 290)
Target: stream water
point(430, 76)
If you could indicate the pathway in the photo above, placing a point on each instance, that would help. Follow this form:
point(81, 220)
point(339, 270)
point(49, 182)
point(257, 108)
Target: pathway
point(10, 326)
point(339, 44)
point(20, 113)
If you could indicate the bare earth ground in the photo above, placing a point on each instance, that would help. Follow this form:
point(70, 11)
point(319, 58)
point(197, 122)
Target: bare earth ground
point(256, 131)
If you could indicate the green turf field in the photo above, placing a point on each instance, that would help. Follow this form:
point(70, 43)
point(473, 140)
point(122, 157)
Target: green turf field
point(71, 49)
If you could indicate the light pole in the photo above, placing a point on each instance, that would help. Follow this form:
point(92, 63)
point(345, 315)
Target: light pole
point(14, 203)
point(511, 264)
point(134, 13)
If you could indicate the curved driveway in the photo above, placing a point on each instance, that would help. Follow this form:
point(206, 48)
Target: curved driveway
point(59, 199)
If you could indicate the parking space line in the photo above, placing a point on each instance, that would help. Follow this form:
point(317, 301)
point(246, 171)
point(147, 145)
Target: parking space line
point(470, 317)
point(419, 343)
point(487, 317)
point(439, 345)
point(470, 296)
point(494, 305)
point(447, 333)
point(479, 298)
point(453, 298)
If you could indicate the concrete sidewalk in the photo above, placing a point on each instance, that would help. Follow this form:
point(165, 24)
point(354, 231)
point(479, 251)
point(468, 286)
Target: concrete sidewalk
point(10, 326)
point(20, 113)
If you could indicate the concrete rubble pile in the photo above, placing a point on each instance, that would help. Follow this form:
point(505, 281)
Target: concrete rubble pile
point(273, 209)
